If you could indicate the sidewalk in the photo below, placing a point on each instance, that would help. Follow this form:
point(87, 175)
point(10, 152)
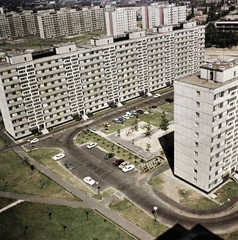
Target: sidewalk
point(87, 201)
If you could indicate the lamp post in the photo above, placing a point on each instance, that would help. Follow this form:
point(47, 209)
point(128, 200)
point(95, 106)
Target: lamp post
point(153, 212)
point(98, 187)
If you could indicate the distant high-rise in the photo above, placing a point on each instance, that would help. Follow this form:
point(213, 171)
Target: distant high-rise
point(120, 21)
point(206, 125)
point(162, 14)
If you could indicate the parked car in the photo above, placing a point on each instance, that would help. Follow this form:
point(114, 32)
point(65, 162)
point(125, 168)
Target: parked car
point(34, 140)
point(116, 120)
point(89, 181)
point(157, 95)
point(59, 156)
point(109, 155)
point(128, 168)
point(146, 112)
point(69, 166)
point(122, 119)
point(106, 124)
point(118, 162)
point(126, 117)
point(122, 165)
point(140, 111)
point(129, 114)
point(91, 145)
point(134, 112)
point(153, 106)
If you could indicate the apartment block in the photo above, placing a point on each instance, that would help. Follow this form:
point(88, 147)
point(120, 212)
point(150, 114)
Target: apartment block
point(69, 21)
point(162, 14)
point(48, 88)
point(206, 125)
point(120, 20)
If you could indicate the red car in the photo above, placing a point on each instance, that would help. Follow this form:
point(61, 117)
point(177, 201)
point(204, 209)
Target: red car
point(118, 162)
point(140, 111)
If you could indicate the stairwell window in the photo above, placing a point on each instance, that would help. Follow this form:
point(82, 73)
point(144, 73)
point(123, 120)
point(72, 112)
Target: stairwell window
point(198, 93)
point(197, 114)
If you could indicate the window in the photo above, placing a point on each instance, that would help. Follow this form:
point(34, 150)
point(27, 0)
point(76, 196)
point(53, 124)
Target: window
point(195, 153)
point(196, 124)
point(195, 170)
point(197, 104)
point(196, 144)
point(197, 114)
point(195, 179)
point(198, 93)
point(196, 134)
point(195, 162)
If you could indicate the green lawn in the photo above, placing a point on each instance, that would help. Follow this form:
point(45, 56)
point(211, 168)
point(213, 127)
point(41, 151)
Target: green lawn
point(184, 196)
point(132, 213)
point(34, 220)
point(226, 191)
point(17, 177)
point(86, 136)
point(45, 157)
point(169, 107)
point(2, 142)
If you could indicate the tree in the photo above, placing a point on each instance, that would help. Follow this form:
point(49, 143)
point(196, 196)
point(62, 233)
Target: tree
point(136, 125)
point(148, 130)
point(118, 132)
point(164, 122)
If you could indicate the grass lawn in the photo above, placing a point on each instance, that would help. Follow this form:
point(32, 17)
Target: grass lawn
point(169, 107)
point(44, 157)
point(66, 223)
point(181, 194)
point(187, 200)
point(2, 142)
point(86, 136)
point(132, 213)
point(17, 177)
point(6, 201)
point(226, 191)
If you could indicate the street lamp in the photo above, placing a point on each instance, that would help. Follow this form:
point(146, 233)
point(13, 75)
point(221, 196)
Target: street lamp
point(153, 212)
point(98, 187)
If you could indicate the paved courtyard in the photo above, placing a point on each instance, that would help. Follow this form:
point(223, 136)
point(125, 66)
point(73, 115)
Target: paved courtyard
point(136, 140)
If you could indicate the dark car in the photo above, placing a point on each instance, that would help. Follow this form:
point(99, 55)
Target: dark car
point(140, 111)
point(118, 162)
point(122, 119)
point(154, 106)
point(69, 166)
point(109, 155)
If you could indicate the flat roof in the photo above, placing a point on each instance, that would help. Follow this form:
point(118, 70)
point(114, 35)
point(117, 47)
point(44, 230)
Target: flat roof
point(220, 65)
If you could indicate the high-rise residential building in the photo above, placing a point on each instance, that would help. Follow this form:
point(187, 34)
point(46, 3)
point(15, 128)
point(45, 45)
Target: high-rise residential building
point(120, 20)
point(69, 21)
point(162, 14)
point(44, 89)
point(206, 125)
point(14, 24)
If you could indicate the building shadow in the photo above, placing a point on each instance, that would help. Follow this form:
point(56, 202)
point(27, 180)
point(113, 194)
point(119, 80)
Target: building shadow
point(178, 232)
point(167, 143)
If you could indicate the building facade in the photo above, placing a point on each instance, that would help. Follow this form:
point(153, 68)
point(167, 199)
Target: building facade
point(120, 20)
point(162, 14)
point(206, 125)
point(45, 89)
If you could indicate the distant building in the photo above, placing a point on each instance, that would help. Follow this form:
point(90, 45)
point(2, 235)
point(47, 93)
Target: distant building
point(69, 21)
point(44, 89)
point(120, 20)
point(162, 14)
point(205, 125)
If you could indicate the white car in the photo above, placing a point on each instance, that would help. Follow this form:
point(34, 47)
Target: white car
point(34, 140)
point(91, 145)
point(128, 168)
point(157, 95)
point(59, 156)
point(146, 112)
point(129, 114)
point(126, 116)
point(89, 180)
